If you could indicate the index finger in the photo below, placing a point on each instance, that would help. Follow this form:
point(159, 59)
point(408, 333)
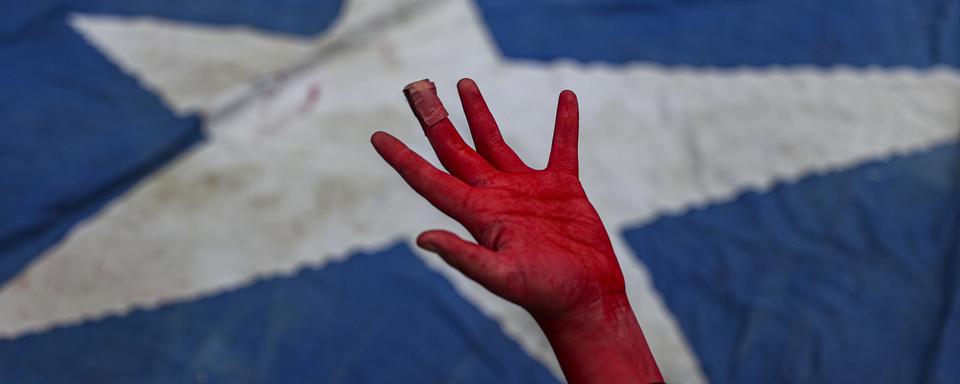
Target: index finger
point(441, 189)
point(455, 155)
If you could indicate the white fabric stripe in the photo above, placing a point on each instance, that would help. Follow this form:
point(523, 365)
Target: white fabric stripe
point(289, 180)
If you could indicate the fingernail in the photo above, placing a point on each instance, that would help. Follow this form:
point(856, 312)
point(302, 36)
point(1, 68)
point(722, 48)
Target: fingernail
point(428, 246)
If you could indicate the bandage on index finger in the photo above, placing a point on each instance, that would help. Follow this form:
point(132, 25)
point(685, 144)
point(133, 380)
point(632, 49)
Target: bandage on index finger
point(455, 155)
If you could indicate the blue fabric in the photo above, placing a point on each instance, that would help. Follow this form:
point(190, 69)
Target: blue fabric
point(301, 17)
point(728, 33)
point(847, 277)
point(376, 318)
point(76, 130)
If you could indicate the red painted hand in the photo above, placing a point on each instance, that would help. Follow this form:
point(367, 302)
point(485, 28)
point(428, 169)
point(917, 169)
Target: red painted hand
point(540, 243)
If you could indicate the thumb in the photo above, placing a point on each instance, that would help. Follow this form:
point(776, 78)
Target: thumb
point(477, 262)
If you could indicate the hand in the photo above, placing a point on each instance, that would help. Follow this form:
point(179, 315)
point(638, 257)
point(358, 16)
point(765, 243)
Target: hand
point(540, 243)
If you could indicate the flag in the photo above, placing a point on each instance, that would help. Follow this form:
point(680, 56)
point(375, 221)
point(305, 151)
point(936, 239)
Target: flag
point(189, 193)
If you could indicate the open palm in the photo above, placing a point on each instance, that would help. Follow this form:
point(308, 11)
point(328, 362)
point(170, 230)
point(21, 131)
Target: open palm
point(540, 243)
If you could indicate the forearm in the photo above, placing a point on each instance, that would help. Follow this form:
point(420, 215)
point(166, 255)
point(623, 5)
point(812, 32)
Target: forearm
point(602, 344)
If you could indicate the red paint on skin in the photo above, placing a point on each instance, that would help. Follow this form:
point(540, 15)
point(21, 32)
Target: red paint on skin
point(540, 243)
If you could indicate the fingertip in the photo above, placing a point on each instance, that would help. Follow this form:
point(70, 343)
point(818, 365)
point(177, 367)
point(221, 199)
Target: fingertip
point(567, 106)
point(377, 136)
point(381, 139)
point(389, 147)
point(427, 240)
point(466, 83)
point(469, 92)
point(427, 246)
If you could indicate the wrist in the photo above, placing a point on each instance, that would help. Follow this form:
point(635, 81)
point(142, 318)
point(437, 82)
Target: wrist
point(601, 342)
point(608, 311)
